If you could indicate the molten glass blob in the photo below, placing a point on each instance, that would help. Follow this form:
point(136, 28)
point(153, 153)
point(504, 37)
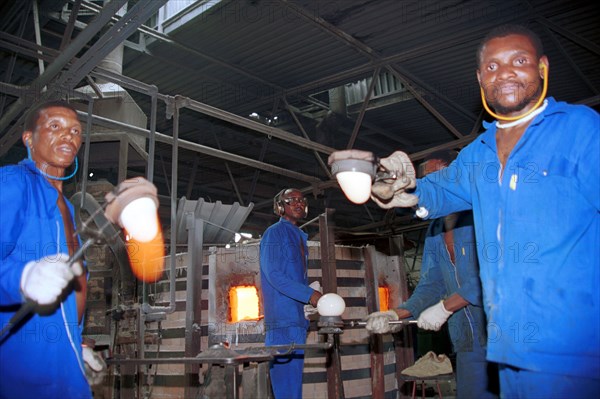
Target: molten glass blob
point(147, 258)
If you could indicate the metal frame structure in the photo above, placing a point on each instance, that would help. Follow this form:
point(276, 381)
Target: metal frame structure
point(78, 55)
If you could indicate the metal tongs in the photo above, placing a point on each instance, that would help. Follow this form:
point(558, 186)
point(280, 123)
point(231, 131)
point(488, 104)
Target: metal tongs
point(385, 175)
point(354, 323)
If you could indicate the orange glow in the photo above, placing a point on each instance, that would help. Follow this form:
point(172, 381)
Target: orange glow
point(243, 301)
point(147, 258)
point(384, 299)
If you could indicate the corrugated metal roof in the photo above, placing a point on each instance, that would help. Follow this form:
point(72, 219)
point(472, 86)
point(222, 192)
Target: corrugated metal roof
point(247, 56)
point(220, 221)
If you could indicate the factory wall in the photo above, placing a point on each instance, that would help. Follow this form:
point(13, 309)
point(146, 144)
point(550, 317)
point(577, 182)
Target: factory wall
point(223, 268)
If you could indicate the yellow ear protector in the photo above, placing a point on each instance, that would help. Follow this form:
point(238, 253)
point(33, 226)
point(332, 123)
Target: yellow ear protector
point(537, 104)
point(278, 205)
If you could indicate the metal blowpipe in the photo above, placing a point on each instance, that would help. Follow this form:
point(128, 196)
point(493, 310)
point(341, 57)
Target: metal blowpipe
point(354, 323)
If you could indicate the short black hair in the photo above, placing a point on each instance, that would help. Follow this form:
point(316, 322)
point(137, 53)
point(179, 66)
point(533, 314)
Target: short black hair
point(33, 114)
point(511, 29)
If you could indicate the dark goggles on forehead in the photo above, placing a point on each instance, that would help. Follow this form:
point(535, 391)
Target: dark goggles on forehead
point(289, 201)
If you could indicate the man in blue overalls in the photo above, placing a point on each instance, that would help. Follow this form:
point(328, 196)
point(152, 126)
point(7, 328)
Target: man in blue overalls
point(285, 290)
point(449, 289)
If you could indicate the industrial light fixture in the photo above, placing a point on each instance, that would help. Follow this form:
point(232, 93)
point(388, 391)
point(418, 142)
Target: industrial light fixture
point(133, 205)
point(355, 171)
point(330, 308)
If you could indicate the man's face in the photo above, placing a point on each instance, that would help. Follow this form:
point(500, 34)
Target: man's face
point(56, 139)
point(510, 74)
point(294, 205)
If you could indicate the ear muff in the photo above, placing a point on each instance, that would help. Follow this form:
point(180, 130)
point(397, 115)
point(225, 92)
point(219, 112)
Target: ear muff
point(278, 207)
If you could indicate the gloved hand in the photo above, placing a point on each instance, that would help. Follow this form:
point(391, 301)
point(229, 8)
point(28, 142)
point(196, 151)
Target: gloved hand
point(315, 285)
point(433, 317)
point(379, 322)
point(316, 295)
point(391, 192)
point(309, 310)
point(95, 367)
point(43, 280)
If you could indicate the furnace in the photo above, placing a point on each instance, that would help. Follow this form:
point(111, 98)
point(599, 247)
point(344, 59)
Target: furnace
point(243, 303)
point(230, 274)
point(234, 296)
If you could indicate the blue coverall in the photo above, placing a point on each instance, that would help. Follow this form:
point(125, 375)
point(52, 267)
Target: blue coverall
point(441, 278)
point(285, 291)
point(41, 358)
point(537, 224)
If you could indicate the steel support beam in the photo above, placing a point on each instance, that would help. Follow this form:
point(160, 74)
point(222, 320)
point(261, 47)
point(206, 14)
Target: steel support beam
point(580, 41)
point(363, 109)
point(228, 168)
point(375, 340)
point(299, 124)
point(165, 38)
point(371, 55)
point(335, 386)
point(258, 127)
point(57, 66)
point(116, 34)
point(163, 138)
point(13, 57)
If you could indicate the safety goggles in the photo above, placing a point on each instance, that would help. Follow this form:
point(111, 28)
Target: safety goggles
point(290, 201)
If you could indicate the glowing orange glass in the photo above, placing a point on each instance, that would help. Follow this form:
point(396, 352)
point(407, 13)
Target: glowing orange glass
point(243, 302)
point(384, 299)
point(147, 259)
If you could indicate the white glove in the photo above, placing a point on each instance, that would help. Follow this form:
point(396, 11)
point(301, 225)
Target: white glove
point(315, 285)
point(95, 367)
point(309, 310)
point(391, 192)
point(379, 322)
point(433, 317)
point(43, 280)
